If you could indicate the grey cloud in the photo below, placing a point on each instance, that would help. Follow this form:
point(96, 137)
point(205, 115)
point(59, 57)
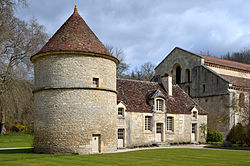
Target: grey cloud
point(148, 30)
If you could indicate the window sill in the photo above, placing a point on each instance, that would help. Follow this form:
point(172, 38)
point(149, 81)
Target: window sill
point(169, 132)
point(147, 132)
point(121, 117)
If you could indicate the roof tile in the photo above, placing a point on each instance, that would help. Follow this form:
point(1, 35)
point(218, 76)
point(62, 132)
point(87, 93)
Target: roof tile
point(75, 35)
point(134, 95)
point(227, 63)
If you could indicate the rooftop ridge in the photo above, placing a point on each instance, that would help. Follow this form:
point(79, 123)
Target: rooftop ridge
point(210, 59)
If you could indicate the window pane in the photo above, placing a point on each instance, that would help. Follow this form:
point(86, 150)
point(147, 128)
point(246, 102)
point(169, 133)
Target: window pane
point(120, 133)
point(170, 123)
point(158, 128)
point(159, 105)
point(96, 82)
point(120, 111)
point(147, 122)
point(193, 128)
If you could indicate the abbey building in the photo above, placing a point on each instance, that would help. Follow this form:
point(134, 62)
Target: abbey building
point(81, 107)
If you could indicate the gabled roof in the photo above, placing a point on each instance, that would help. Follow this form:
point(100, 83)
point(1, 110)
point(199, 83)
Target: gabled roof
point(238, 81)
point(178, 48)
point(226, 63)
point(75, 36)
point(134, 95)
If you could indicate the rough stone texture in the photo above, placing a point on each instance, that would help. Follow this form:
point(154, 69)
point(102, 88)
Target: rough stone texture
point(66, 70)
point(134, 125)
point(215, 85)
point(68, 114)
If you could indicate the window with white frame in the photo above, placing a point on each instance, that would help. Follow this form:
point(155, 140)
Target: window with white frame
point(148, 120)
point(120, 134)
point(170, 124)
point(159, 105)
point(120, 111)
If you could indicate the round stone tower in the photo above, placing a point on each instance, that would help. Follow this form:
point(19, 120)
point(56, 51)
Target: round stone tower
point(75, 92)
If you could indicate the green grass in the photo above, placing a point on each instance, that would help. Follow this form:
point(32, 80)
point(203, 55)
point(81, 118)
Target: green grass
point(154, 157)
point(144, 157)
point(223, 147)
point(16, 140)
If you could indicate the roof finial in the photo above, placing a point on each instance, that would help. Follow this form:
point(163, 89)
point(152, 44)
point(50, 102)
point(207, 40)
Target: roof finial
point(75, 10)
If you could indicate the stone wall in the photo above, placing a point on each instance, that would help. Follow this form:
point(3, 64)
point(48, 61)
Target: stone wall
point(134, 125)
point(72, 110)
point(74, 71)
point(178, 57)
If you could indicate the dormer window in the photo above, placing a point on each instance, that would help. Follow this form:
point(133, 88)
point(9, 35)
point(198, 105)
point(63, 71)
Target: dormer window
point(121, 112)
point(159, 105)
point(194, 115)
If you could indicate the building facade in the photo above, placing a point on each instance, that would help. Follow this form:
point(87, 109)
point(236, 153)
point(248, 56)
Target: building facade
point(80, 106)
point(220, 87)
point(156, 113)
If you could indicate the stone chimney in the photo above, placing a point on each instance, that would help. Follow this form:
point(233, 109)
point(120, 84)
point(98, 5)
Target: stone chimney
point(166, 80)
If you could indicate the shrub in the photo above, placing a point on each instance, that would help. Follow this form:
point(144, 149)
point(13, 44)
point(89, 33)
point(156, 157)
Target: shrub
point(214, 136)
point(239, 135)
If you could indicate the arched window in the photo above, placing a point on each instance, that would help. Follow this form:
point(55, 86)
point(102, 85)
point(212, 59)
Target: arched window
point(178, 75)
point(188, 76)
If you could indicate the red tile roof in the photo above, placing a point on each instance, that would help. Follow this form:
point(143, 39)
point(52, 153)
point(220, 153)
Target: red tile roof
point(75, 35)
point(226, 63)
point(134, 95)
point(238, 81)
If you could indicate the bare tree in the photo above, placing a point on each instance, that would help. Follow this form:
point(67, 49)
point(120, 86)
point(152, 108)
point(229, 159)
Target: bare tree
point(18, 41)
point(122, 67)
point(145, 72)
point(242, 56)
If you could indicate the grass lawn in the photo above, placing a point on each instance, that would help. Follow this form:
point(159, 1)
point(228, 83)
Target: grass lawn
point(144, 157)
point(16, 140)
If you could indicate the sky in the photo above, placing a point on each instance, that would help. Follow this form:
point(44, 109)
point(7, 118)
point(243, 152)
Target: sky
point(147, 30)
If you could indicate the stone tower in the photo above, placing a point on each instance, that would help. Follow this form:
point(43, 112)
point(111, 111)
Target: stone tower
point(75, 92)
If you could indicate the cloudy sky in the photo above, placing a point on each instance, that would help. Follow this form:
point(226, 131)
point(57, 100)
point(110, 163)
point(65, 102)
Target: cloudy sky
point(147, 30)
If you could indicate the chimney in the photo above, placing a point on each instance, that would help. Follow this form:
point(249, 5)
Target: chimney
point(166, 80)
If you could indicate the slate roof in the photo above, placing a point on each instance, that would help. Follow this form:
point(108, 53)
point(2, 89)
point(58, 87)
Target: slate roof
point(134, 95)
point(226, 63)
point(75, 35)
point(238, 81)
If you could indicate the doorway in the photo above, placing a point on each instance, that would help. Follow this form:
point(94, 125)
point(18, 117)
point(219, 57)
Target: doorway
point(158, 132)
point(120, 138)
point(194, 131)
point(96, 143)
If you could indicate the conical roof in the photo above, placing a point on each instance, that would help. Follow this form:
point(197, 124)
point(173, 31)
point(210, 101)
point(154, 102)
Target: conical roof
point(75, 36)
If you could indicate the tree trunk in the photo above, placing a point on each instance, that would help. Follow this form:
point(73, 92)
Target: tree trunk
point(2, 120)
point(2, 129)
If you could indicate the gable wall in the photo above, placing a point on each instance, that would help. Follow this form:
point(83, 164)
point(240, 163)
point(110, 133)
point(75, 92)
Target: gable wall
point(185, 59)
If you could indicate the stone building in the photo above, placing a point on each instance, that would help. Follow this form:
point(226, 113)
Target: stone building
point(77, 109)
point(221, 87)
point(157, 113)
point(75, 92)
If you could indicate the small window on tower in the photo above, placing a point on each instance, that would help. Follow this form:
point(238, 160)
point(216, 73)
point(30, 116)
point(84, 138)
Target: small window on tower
point(96, 82)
